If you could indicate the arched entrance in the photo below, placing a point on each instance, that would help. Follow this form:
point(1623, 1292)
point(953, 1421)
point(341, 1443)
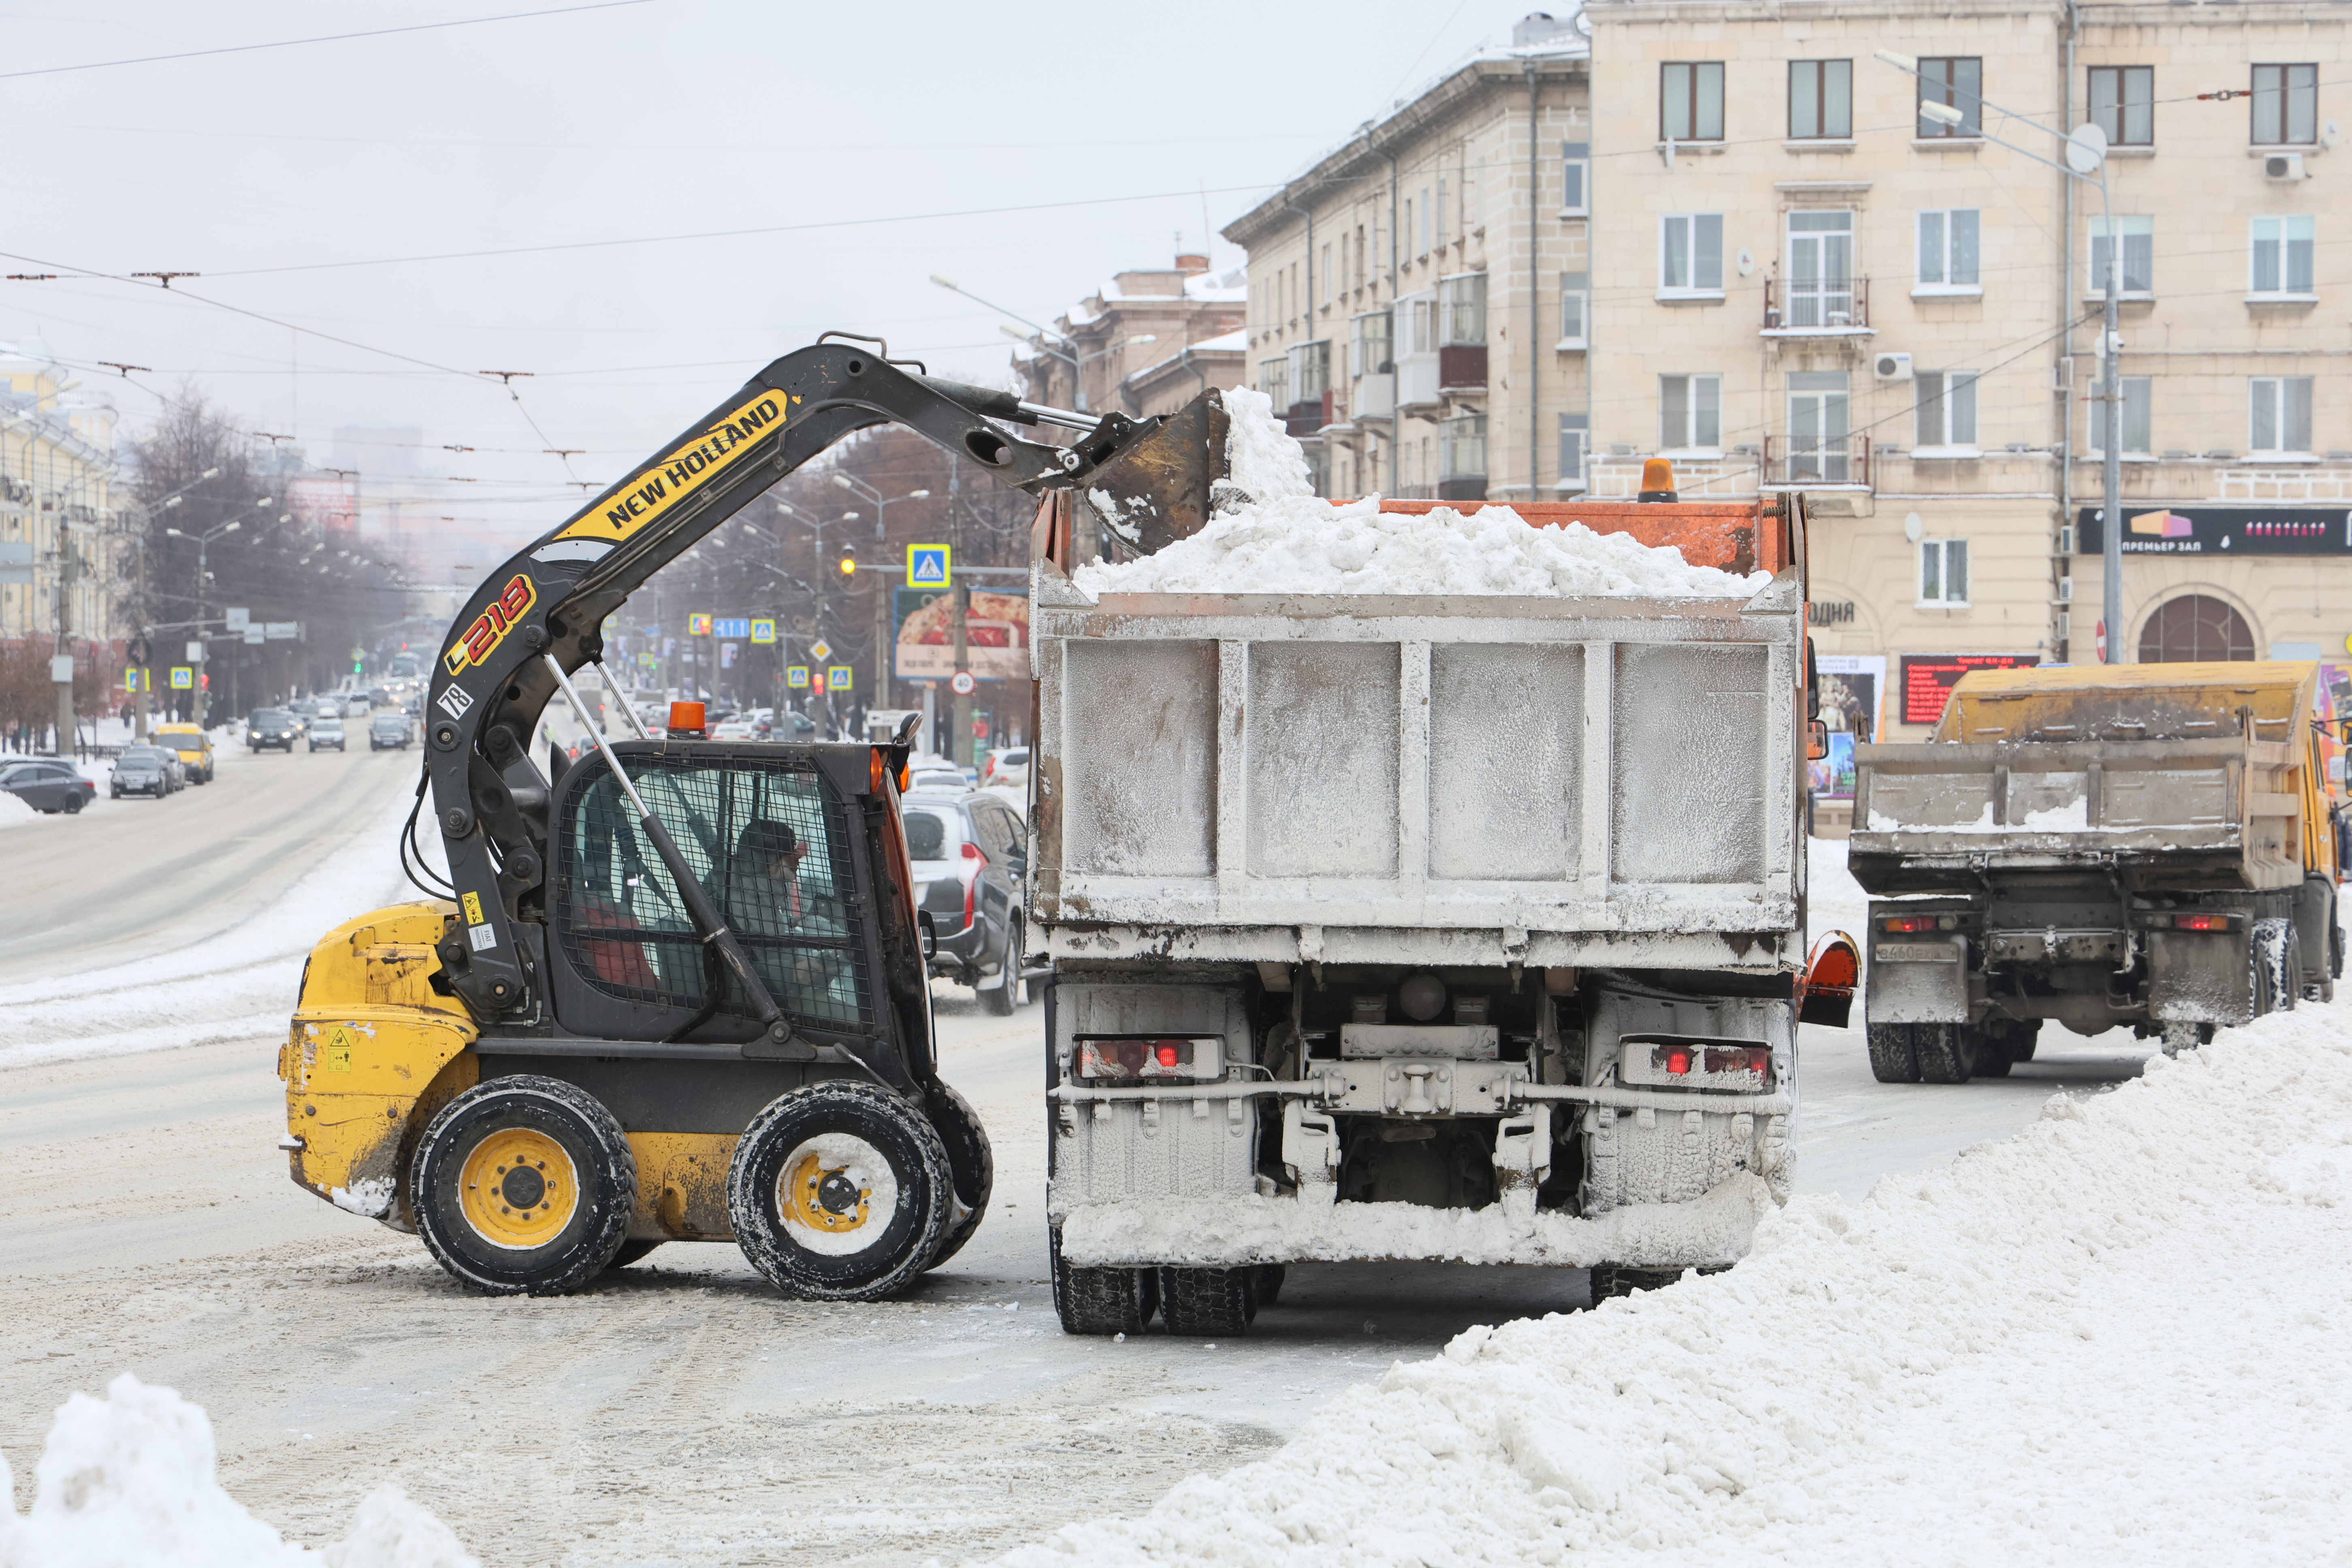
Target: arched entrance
point(2194, 629)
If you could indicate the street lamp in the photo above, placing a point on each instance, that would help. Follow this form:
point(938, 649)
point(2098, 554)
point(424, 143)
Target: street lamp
point(2086, 158)
point(203, 542)
point(952, 287)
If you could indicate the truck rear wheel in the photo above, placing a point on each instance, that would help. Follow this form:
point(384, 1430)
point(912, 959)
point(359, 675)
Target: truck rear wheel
point(839, 1191)
point(1268, 1283)
point(971, 1165)
point(1947, 1052)
point(2278, 966)
point(523, 1185)
point(1102, 1301)
point(1893, 1058)
point(1208, 1302)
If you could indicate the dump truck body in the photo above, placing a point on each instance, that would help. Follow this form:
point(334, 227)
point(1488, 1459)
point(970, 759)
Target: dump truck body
point(2143, 846)
point(1427, 921)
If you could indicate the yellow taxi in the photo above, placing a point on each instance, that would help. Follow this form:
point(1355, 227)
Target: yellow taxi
point(193, 746)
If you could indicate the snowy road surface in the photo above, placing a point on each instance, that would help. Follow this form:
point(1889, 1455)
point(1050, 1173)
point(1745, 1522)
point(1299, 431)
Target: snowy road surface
point(680, 1412)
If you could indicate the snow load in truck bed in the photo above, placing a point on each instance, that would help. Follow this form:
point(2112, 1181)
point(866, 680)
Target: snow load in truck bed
point(1273, 535)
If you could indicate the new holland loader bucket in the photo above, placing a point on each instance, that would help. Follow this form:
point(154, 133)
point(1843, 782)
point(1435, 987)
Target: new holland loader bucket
point(1155, 493)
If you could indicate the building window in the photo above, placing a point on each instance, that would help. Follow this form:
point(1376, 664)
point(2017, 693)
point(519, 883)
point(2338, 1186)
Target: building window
point(1690, 253)
point(1462, 447)
point(1273, 380)
point(2138, 421)
point(1369, 352)
point(2194, 629)
point(2282, 414)
point(1575, 303)
point(1944, 571)
point(1461, 311)
point(1327, 279)
point(1818, 428)
point(1425, 216)
point(1820, 100)
point(1956, 82)
point(2123, 104)
point(1690, 100)
point(1310, 372)
point(1690, 413)
point(1444, 214)
point(1573, 429)
point(2281, 256)
point(1575, 177)
point(1947, 249)
point(2287, 105)
point(1946, 415)
point(1821, 269)
point(2138, 236)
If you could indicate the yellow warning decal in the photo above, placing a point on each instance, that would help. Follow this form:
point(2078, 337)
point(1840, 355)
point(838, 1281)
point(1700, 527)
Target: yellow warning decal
point(338, 1051)
point(685, 469)
point(473, 909)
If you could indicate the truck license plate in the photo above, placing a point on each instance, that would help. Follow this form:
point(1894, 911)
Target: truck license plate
point(1917, 952)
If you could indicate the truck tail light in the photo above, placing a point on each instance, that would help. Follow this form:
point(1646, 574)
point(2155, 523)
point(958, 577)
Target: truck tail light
point(1918, 923)
point(1683, 1060)
point(974, 861)
point(2200, 922)
point(1150, 1058)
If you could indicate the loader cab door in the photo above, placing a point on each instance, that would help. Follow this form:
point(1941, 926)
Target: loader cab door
point(769, 835)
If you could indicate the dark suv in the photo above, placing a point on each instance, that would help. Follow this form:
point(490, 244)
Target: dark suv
point(388, 729)
point(970, 853)
point(272, 727)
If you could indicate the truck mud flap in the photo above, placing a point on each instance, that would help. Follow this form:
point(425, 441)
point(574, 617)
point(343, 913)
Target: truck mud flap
point(1918, 981)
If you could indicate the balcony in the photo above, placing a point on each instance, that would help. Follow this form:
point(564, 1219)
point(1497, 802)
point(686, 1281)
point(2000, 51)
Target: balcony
point(1817, 308)
point(1303, 419)
point(1828, 464)
point(1462, 368)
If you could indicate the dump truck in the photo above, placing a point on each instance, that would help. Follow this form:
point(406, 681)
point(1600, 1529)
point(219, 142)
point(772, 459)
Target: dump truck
point(2150, 847)
point(1384, 927)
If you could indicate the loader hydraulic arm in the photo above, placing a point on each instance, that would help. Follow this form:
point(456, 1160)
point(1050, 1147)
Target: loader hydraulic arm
point(497, 675)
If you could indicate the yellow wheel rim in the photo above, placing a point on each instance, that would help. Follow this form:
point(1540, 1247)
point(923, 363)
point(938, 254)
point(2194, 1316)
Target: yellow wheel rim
point(823, 1196)
point(520, 1190)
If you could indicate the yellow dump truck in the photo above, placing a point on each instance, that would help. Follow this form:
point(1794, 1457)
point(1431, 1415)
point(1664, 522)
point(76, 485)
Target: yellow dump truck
point(2152, 846)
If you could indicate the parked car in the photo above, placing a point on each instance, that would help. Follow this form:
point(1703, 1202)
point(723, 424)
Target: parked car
point(143, 770)
point(934, 780)
point(388, 729)
point(743, 728)
point(272, 727)
point(326, 733)
point(970, 857)
point(48, 785)
point(192, 746)
point(1007, 767)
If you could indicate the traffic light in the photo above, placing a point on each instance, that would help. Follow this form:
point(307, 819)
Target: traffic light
point(849, 565)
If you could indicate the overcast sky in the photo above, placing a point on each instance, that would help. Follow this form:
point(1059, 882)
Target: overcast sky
point(270, 172)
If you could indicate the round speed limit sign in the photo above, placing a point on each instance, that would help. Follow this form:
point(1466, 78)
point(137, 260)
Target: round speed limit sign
point(962, 685)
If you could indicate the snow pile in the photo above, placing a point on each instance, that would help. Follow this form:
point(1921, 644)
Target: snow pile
point(128, 1480)
point(2113, 1339)
point(1273, 535)
point(15, 812)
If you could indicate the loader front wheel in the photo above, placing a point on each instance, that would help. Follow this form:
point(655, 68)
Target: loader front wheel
point(971, 1166)
point(840, 1191)
point(1892, 1057)
point(523, 1185)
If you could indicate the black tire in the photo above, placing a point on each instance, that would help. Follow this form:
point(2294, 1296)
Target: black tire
point(1101, 1300)
point(73, 804)
point(972, 1167)
point(1994, 1056)
point(2278, 971)
point(1892, 1057)
point(631, 1252)
point(1206, 1302)
point(519, 1112)
point(876, 1135)
point(1268, 1283)
point(1005, 997)
point(1947, 1052)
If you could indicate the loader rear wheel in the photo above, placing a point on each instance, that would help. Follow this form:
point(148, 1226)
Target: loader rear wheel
point(839, 1191)
point(971, 1165)
point(1102, 1301)
point(523, 1185)
point(1892, 1057)
point(1947, 1052)
point(1208, 1302)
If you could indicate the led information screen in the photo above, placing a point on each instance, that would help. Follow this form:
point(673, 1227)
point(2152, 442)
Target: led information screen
point(1928, 678)
point(2222, 531)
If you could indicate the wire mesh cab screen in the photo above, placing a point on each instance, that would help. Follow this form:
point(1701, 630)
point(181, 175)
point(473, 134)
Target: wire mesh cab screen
point(769, 841)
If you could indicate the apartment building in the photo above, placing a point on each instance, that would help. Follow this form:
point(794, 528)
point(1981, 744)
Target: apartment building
point(61, 518)
point(1147, 342)
point(1407, 307)
point(1815, 268)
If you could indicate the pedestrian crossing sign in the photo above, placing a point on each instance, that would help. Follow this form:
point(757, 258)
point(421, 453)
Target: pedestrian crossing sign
point(183, 677)
point(927, 565)
point(797, 677)
point(837, 678)
point(763, 632)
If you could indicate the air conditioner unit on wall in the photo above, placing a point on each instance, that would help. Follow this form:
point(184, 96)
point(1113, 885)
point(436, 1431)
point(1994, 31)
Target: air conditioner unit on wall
point(2061, 376)
point(1892, 366)
point(2283, 166)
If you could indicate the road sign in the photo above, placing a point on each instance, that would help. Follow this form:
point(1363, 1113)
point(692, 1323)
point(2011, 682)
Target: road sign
point(927, 565)
point(130, 680)
point(195, 653)
point(961, 683)
point(821, 649)
point(282, 631)
point(732, 626)
point(836, 678)
point(763, 632)
point(698, 626)
point(253, 635)
point(61, 669)
point(237, 618)
point(797, 677)
point(183, 678)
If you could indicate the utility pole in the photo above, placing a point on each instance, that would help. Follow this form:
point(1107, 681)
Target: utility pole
point(61, 661)
point(960, 736)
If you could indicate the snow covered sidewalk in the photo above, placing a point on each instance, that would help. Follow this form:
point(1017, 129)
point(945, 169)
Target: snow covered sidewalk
point(2111, 1339)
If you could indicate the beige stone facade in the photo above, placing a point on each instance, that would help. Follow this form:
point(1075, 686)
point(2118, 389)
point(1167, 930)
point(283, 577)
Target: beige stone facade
point(1147, 342)
point(1798, 281)
point(58, 495)
point(1404, 290)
